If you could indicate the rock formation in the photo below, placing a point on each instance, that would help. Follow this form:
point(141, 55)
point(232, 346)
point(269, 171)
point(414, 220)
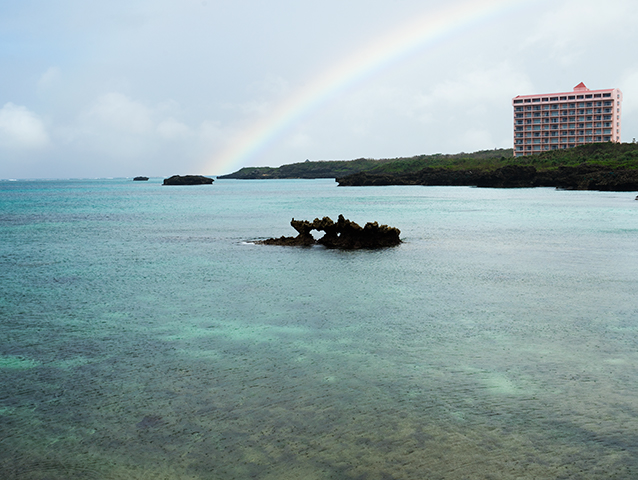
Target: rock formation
point(343, 234)
point(140, 179)
point(188, 180)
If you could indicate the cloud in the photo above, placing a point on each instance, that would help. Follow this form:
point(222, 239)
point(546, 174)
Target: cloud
point(574, 27)
point(481, 85)
point(629, 87)
point(118, 112)
point(171, 129)
point(49, 78)
point(299, 141)
point(21, 129)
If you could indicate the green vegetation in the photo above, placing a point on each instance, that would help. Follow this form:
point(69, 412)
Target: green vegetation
point(307, 169)
point(609, 155)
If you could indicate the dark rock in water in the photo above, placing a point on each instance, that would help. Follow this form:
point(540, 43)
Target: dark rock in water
point(188, 180)
point(150, 421)
point(140, 179)
point(343, 234)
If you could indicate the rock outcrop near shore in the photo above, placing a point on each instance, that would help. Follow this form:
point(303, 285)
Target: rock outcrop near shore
point(343, 234)
point(188, 180)
point(582, 177)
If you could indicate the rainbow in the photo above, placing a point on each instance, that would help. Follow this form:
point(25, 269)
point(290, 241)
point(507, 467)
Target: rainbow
point(419, 34)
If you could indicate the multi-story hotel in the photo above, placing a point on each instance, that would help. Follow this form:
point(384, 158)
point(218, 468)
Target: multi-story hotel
point(551, 121)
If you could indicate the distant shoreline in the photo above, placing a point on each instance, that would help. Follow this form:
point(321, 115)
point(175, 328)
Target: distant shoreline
point(568, 178)
point(600, 166)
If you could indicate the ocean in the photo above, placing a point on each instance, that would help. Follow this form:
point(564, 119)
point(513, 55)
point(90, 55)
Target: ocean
point(144, 336)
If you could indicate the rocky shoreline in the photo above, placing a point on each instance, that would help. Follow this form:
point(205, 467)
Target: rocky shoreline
point(582, 177)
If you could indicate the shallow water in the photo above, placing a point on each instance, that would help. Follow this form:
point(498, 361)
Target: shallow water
point(144, 336)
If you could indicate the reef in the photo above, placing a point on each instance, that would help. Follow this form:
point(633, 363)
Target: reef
point(342, 234)
point(188, 180)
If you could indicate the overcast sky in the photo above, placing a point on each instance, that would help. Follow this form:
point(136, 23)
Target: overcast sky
point(163, 87)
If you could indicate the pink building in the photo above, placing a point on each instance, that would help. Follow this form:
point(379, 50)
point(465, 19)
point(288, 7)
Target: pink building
point(550, 121)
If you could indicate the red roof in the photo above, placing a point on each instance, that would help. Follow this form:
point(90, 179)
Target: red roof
point(581, 86)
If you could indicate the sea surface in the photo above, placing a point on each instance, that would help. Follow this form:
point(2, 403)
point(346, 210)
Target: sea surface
point(144, 336)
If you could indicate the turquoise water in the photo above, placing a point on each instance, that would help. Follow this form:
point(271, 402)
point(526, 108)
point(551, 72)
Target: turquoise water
point(144, 337)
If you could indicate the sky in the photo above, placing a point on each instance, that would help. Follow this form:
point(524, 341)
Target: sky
point(162, 87)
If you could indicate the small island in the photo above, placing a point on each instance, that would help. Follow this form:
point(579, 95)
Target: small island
point(140, 179)
point(188, 180)
point(344, 234)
